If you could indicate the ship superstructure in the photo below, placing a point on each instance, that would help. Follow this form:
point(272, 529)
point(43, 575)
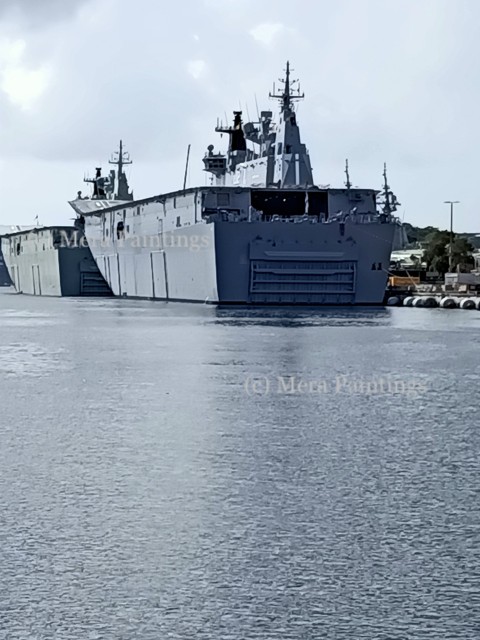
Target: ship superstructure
point(260, 233)
point(276, 157)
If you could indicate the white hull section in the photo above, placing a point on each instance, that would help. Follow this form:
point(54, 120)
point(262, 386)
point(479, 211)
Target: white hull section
point(173, 271)
point(153, 257)
point(52, 261)
point(31, 271)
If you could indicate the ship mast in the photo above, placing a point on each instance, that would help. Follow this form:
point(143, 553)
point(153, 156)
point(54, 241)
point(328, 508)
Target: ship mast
point(287, 162)
point(348, 184)
point(386, 190)
point(287, 96)
point(390, 202)
point(121, 158)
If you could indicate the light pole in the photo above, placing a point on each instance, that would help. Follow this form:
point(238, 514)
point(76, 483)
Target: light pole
point(450, 248)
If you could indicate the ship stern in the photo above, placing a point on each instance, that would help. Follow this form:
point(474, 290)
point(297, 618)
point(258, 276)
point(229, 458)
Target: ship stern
point(307, 263)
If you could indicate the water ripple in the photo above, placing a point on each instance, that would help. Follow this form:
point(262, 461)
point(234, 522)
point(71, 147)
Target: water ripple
point(145, 494)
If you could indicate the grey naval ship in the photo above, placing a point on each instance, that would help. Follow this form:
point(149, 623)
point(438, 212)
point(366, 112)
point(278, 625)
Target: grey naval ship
point(261, 233)
point(56, 260)
point(52, 261)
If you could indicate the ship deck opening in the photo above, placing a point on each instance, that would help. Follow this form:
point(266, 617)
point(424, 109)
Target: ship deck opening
point(294, 203)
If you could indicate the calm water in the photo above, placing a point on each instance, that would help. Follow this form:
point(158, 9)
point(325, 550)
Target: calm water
point(176, 471)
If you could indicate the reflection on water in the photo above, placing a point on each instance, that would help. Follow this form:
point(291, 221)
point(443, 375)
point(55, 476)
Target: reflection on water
point(149, 490)
point(298, 316)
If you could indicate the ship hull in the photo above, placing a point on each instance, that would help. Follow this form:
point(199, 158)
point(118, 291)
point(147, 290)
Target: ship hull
point(4, 277)
point(40, 263)
point(250, 263)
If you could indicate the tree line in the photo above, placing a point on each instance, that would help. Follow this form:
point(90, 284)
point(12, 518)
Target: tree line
point(436, 248)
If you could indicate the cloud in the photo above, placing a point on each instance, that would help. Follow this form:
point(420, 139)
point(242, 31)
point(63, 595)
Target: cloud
point(22, 85)
point(39, 11)
point(268, 32)
point(225, 5)
point(197, 68)
point(76, 75)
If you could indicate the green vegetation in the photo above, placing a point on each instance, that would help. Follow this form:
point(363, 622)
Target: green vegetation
point(417, 235)
point(436, 252)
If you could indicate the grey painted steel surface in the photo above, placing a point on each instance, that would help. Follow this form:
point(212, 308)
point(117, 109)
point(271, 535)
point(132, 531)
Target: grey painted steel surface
point(52, 261)
point(5, 280)
point(219, 261)
point(311, 264)
point(261, 233)
point(4, 277)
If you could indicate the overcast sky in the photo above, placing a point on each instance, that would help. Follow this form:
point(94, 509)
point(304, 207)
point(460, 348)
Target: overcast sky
point(385, 80)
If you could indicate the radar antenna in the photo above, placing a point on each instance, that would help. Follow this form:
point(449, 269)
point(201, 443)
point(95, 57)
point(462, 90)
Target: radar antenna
point(289, 94)
point(120, 158)
point(388, 198)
